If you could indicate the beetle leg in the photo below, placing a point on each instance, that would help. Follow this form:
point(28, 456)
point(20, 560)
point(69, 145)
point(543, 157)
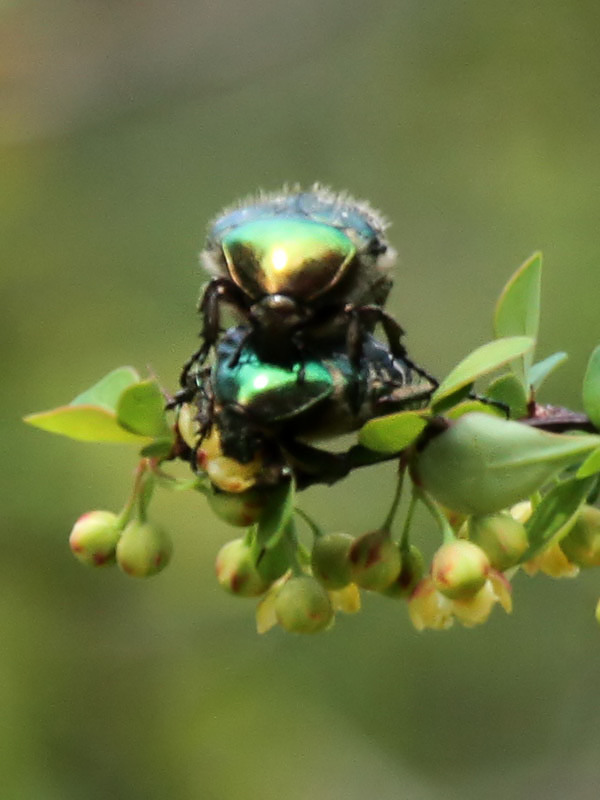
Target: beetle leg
point(394, 333)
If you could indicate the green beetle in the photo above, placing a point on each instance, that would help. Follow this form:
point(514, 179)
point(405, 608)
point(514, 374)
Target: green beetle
point(298, 268)
point(281, 408)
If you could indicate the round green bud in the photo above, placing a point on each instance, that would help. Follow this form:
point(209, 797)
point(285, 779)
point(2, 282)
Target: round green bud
point(582, 544)
point(241, 510)
point(410, 574)
point(329, 560)
point(375, 560)
point(236, 571)
point(482, 464)
point(143, 549)
point(303, 605)
point(94, 538)
point(459, 569)
point(503, 538)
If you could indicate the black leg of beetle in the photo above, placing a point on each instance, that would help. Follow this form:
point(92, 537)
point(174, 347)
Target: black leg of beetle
point(354, 335)
point(217, 291)
point(394, 333)
point(181, 397)
point(487, 401)
point(199, 357)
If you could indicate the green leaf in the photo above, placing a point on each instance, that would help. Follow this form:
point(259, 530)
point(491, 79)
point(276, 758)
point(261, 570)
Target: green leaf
point(107, 391)
point(555, 514)
point(141, 409)
point(482, 464)
point(590, 466)
point(84, 422)
point(591, 388)
point(392, 433)
point(275, 517)
point(508, 389)
point(485, 359)
point(518, 310)
point(450, 401)
point(543, 369)
point(469, 406)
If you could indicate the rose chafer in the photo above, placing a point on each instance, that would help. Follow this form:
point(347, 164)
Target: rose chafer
point(300, 269)
point(280, 408)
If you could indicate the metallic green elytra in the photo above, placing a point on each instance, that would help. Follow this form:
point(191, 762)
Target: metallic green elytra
point(270, 391)
point(252, 400)
point(310, 247)
point(298, 268)
point(293, 256)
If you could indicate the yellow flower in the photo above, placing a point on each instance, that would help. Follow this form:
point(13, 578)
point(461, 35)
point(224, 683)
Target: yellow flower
point(552, 561)
point(346, 599)
point(428, 608)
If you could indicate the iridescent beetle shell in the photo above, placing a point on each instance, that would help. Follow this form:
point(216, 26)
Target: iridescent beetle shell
point(333, 397)
point(316, 247)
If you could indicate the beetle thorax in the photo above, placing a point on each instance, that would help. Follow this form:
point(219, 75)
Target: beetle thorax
point(279, 312)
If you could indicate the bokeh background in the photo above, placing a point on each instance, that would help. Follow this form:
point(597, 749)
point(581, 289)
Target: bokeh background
point(125, 127)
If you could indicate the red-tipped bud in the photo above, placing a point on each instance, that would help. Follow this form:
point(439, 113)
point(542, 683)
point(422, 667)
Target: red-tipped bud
point(94, 538)
point(143, 549)
point(241, 510)
point(582, 544)
point(329, 560)
point(237, 572)
point(503, 538)
point(459, 569)
point(410, 574)
point(303, 606)
point(375, 560)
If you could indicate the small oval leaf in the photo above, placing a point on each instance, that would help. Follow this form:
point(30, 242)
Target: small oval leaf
point(591, 388)
point(392, 433)
point(508, 389)
point(543, 369)
point(555, 514)
point(518, 309)
point(590, 466)
point(107, 391)
point(83, 422)
point(485, 359)
point(141, 409)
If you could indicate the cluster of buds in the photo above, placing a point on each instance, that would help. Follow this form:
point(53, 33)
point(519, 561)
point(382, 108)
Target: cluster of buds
point(141, 549)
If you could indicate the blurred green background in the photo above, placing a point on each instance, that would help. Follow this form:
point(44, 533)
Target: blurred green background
point(125, 127)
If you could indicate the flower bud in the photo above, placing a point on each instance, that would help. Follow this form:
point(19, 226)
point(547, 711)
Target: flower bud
point(375, 560)
point(459, 569)
point(94, 538)
point(502, 537)
point(143, 549)
point(582, 544)
point(187, 424)
point(240, 509)
point(329, 560)
point(482, 464)
point(410, 574)
point(237, 572)
point(303, 605)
